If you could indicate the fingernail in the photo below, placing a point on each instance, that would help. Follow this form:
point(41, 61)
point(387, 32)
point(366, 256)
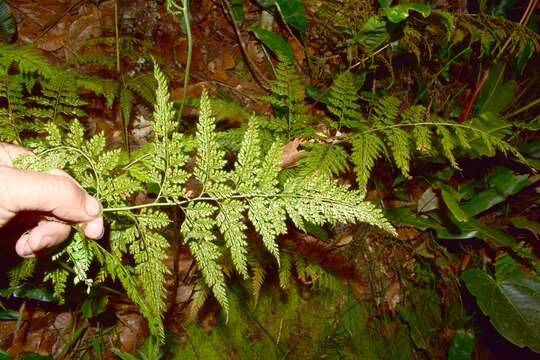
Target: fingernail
point(26, 250)
point(93, 207)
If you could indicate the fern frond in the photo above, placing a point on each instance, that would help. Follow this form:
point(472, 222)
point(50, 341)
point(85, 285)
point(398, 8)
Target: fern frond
point(230, 220)
point(257, 280)
point(197, 230)
point(81, 257)
point(385, 111)
point(21, 272)
point(58, 277)
point(323, 159)
point(343, 100)
point(248, 160)
point(398, 141)
point(200, 294)
point(210, 157)
point(448, 144)
point(367, 148)
point(285, 271)
point(319, 200)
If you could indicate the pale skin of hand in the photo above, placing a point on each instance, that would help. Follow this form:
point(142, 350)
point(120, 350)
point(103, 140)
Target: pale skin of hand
point(55, 194)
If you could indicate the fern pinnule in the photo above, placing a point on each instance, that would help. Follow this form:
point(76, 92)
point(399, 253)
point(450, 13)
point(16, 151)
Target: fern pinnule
point(323, 159)
point(257, 280)
point(343, 100)
point(285, 270)
point(367, 148)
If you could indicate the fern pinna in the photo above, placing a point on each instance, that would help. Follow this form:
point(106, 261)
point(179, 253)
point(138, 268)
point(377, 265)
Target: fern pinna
point(214, 227)
point(390, 129)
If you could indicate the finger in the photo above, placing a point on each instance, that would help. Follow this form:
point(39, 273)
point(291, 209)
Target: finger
point(94, 229)
point(45, 235)
point(9, 152)
point(59, 195)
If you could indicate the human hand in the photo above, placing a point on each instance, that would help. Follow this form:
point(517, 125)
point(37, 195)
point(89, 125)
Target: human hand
point(54, 194)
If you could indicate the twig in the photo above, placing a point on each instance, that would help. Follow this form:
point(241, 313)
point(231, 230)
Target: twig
point(57, 19)
point(255, 71)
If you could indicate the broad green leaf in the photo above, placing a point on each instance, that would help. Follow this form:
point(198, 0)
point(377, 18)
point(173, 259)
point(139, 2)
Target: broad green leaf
point(37, 357)
point(9, 315)
point(34, 293)
point(483, 201)
point(502, 183)
point(274, 42)
point(428, 201)
point(385, 3)
point(294, 14)
point(398, 13)
point(462, 345)
point(4, 355)
point(512, 305)
point(373, 34)
point(491, 235)
point(497, 93)
point(238, 10)
point(522, 222)
point(449, 197)
point(94, 306)
point(266, 3)
point(507, 182)
point(405, 217)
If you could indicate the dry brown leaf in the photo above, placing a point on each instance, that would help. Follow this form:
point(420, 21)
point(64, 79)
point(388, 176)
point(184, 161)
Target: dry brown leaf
point(131, 331)
point(291, 155)
point(407, 233)
point(392, 296)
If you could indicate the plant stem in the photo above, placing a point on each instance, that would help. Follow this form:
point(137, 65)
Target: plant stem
point(526, 107)
point(185, 12)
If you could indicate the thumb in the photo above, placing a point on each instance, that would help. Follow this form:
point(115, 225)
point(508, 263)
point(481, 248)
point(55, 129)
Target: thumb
point(59, 195)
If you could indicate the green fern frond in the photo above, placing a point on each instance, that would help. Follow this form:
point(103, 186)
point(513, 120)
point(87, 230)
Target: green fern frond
point(385, 111)
point(214, 215)
point(210, 157)
point(448, 144)
point(367, 148)
point(230, 220)
point(197, 230)
point(285, 271)
point(323, 159)
point(200, 294)
point(93, 58)
point(398, 141)
point(81, 257)
point(144, 85)
point(343, 100)
point(248, 160)
point(58, 277)
point(21, 272)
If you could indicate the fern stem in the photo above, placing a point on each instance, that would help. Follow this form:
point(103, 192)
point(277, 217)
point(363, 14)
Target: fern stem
point(185, 12)
point(427, 123)
point(526, 107)
point(87, 158)
point(116, 36)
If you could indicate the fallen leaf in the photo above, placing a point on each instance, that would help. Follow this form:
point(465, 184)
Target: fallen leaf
point(291, 155)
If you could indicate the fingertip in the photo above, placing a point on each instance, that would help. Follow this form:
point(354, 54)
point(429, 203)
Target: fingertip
point(22, 247)
point(92, 206)
point(94, 229)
